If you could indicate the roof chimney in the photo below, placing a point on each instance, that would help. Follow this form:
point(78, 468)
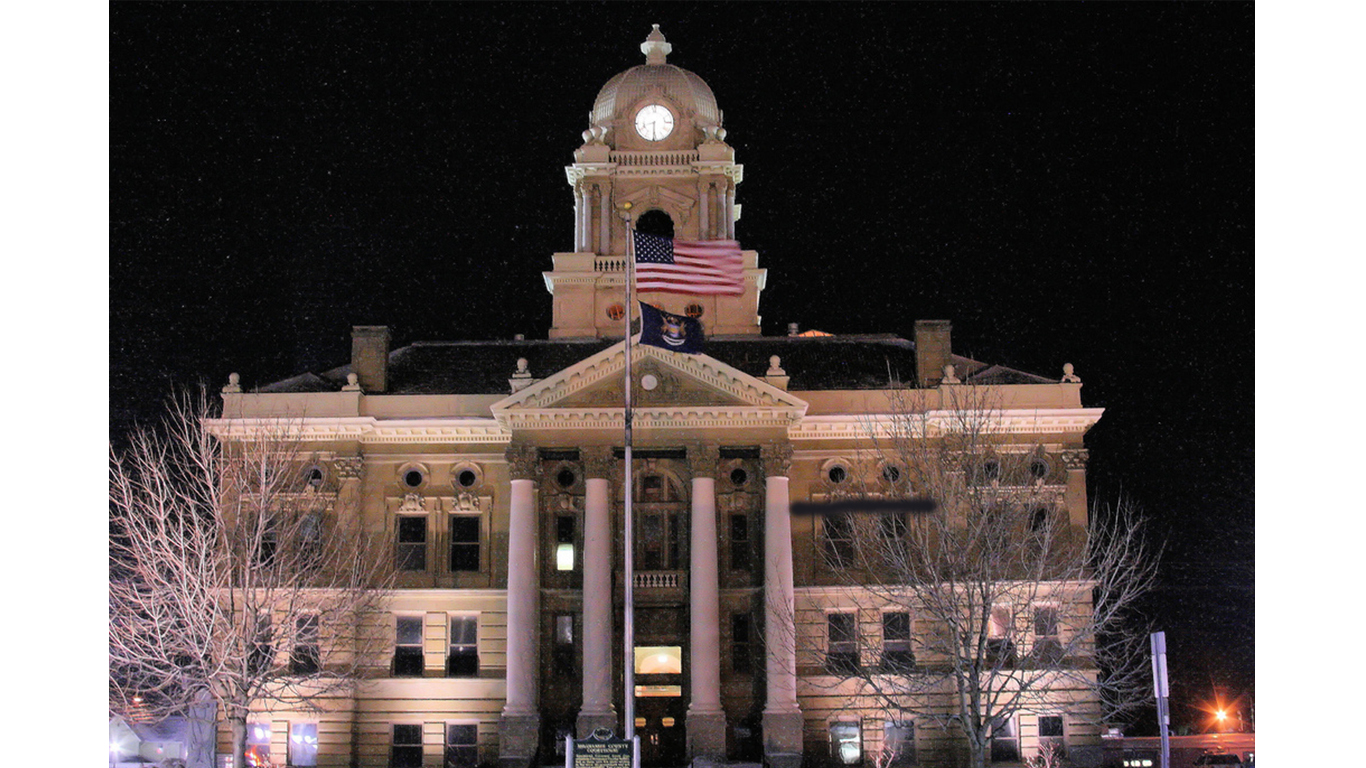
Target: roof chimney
point(932, 351)
point(370, 356)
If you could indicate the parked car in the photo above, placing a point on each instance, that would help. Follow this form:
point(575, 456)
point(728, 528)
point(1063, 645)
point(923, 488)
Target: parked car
point(1218, 758)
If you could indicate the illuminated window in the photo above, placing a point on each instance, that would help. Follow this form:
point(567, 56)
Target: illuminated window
point(616, 312)
point(258, 744)
point(462, 746)
point(464, 543)
point(693, 310)
point(841, 652)
point(564, 543)
point(303, 744)
point(303, 658)
point(412, 543)
point(846, 743)
point(659, 660)
point(1000, 637)
point(898, 743)
point(462, 658)
point(408, 661)
point(405, 748)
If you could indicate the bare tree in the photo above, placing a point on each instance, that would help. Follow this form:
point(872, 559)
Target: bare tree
point(989, 604)
point(236, 573)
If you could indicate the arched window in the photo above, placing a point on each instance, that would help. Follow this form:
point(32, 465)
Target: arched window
point(655, 222)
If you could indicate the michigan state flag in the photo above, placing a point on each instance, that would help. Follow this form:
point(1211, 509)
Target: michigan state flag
point(669, 331)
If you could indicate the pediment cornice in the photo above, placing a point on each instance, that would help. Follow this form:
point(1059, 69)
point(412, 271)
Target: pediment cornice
point(711, 395)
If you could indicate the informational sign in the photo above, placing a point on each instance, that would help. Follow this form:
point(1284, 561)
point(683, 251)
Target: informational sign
point(600, 752)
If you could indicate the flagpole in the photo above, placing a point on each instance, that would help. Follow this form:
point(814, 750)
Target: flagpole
point(628, 564)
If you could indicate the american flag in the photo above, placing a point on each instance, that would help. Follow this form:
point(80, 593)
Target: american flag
point(688, 266)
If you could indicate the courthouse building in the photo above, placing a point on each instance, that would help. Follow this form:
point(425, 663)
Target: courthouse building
point(497, 468)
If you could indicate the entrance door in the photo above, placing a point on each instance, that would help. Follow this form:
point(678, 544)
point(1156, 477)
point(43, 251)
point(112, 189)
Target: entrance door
point(660, 708)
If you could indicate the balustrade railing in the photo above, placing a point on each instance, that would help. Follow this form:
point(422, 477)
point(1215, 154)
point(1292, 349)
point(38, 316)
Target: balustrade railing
point(654, 158)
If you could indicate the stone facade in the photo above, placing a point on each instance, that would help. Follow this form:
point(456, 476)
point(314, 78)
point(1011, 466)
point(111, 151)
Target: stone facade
point(503, 491)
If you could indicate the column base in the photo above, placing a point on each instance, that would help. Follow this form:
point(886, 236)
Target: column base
point(783, 739)
point(706, 736)
point(518, 736)
point(589, 721)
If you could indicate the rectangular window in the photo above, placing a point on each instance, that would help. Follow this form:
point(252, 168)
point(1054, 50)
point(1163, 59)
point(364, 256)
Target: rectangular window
point(740, 548)
point(1050, 727)
point(462, 746)
point(258, 744)
point(405, 750)
point(846, 743)
point(303, 658)
point(892, 527)
point(741, 652)
point(564, 543)
point(896, 641)
point(303, 744)
point(838, 528)
point(412, 543)
point(262, 654)
point(1005, 742)
point(1047, 648)
point(408, 661)
point(841, 654)
point(562, 659)
point(898, 743)
point(268, 543)
point(1000, 642)
point(462, 660)
point(464, 543)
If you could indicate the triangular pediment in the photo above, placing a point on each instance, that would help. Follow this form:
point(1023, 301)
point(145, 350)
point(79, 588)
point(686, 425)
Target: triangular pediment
point(667, 386)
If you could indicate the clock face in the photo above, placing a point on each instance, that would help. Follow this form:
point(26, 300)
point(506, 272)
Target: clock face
point(654, 122)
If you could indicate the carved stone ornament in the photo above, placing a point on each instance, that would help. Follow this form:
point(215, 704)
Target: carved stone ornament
point(467, 502)
point(1075, 458)
point(412, 503)
point(598, 462)
point(702, 459)
point(523, 464)
point(777, 459)
point(347, 467)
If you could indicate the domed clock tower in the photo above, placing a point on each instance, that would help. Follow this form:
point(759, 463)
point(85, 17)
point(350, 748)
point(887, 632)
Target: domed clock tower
point(654, 150)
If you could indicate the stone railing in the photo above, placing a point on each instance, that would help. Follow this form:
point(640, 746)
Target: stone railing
point(609, 264)
point(657, 580)
point(654, 158)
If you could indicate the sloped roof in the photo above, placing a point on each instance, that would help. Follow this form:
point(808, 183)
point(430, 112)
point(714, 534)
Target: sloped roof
point(812, 363)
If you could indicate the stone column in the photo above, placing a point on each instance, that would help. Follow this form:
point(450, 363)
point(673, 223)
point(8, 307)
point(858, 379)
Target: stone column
point(597, 710)
point(730, 212)
point(519, 727)
point(604, 221)
point(706, 721)
point(703, 198)
point(782, 719)
point(578, 220)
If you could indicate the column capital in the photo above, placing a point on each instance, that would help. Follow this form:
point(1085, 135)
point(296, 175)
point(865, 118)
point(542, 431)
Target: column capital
point(777, 459)
point(1075, 458)
point(348, 467)
point(702, 459)
point(598, 462)
point(522, 462)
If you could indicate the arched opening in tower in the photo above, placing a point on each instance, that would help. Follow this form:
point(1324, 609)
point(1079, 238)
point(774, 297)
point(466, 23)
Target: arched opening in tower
point(655, 222)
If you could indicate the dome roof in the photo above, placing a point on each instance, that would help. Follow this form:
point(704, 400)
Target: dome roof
point(685, 89)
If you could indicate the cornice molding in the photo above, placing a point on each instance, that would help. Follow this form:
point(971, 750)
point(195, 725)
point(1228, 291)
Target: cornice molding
point(366, 429)
point(1006, 422)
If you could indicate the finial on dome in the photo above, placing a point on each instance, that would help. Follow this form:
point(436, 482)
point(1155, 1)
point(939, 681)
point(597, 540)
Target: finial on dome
point(655, 47)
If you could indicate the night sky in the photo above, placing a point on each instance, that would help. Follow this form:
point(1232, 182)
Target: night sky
point(1064, 182)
